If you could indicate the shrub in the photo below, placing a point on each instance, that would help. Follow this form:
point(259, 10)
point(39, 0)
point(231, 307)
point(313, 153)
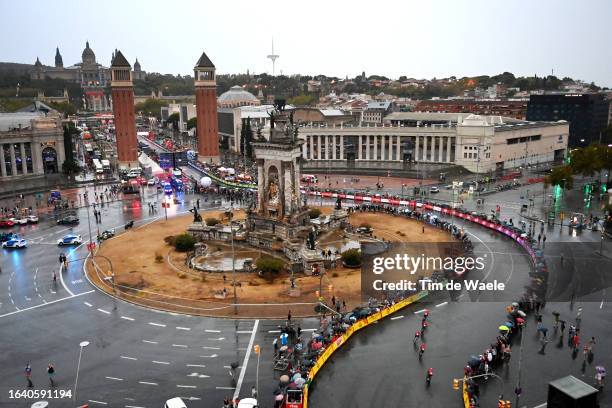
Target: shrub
point(184, 242)
point(351, 257)
point(365, 225)
point(314, 213)
point(182, 275)
point(169, 239)
point(269, 264)
point(335, 275)
point(159, 258)
point(211, 222)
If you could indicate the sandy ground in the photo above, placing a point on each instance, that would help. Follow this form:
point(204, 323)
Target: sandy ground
point(350, 181)
point(167, 283)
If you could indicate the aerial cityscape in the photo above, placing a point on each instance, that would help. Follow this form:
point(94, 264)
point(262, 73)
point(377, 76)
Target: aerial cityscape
point(319, 205)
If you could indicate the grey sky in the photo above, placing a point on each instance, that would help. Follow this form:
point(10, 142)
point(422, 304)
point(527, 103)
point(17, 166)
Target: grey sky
point(424, 38)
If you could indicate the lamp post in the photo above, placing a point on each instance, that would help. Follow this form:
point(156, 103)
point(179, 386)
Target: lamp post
point(88, 222)
point(82, 345)
point(517, 389)
point(231, 216)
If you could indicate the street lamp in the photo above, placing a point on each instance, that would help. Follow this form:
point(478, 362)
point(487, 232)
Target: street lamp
point(231, 216)
point(82, 345)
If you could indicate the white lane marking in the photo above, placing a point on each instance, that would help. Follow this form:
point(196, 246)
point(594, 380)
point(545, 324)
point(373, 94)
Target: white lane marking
point(27, 298)
point(52, 291)
point(219, 339)
point(211, 356)
point(195, 365)
point(309, 330)
point(44, 304)
point(98, 402)
point(244, 332)
point(183, 328)
point(180, 345)
point(147, 383)
point(127, 318)
point(74, 282)
point(185, 386)
point(88, 304)
point(225, 388)
point(601, 304)
point(115, 378)
point(160, 362)
point(149, 341)
point(212, 331)
point(191, 398)
point(397, 317)
point(211, 348)
point(273, 331)
point(231, 367)
point(61, 276)
point(157, 324)
point(128, 358)
point(442, 304)
point(419, 311)
point(133, 406)
point(104, 311)
point(246, 360)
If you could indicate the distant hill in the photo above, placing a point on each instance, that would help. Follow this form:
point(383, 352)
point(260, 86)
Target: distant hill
point(16, 67)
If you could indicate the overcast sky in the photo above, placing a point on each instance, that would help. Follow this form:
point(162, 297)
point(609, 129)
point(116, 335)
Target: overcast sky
point(417, 38)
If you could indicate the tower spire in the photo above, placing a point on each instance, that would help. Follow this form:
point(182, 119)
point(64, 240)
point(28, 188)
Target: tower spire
point(273, 57)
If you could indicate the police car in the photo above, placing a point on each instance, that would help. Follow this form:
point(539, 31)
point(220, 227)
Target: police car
point(15, 242)
point(70, 239)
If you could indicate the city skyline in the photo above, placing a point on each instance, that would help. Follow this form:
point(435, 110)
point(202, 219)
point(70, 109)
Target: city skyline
point(465, 38)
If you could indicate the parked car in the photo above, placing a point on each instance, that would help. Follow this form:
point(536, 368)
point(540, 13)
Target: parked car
point(68, 220)
point(70, 239)
point(434, 190)
point(152, 181)
point(20, 221)
point(106, 235)
point(6, 223)
point(32, 219)
point(15, 242)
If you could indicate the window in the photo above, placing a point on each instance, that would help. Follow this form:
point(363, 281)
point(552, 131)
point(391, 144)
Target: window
point(465, 155)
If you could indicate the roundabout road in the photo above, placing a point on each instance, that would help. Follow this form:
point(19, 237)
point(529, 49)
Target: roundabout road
point(137, 357)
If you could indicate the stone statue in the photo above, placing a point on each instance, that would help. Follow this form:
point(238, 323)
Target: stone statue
point(291, 117)
point(273, 193)
point(310, 242)
point(339, 204)
point(271, 115)
point(196, 216)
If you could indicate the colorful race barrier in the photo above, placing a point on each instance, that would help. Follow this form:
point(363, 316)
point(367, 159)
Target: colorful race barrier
point(358, 325)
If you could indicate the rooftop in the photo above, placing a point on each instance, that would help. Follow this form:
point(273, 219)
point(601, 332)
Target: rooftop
point(11, 121)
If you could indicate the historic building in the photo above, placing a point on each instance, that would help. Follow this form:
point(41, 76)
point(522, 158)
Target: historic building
point(478, 143)
point(206, 109)
point(235, 97)
point(122, 90)
point(31, 146)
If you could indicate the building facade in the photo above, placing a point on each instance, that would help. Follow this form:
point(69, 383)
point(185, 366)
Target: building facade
point(480, 144)
point(508, 108)
point(236, 97)
point(122, 90)
point(376, 111)
point(587, 115)
point(31, 145)
point(206, 108)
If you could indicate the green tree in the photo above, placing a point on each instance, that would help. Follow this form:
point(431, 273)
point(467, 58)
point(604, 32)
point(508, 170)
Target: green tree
point(351, 257)
point(560, 176)
point(191, 123)
point(173, 120)
point(184, 242)
point(314, 213)
point(268, 264)
point(150, 107)
point(301, 100)
point(66, 108)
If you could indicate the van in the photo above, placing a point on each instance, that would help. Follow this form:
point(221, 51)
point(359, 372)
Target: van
point(175, 403)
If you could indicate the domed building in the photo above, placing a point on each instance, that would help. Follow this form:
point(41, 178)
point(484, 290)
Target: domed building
point(237, 97)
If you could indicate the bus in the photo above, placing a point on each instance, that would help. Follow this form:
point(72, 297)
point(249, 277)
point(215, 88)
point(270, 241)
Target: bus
point(106, 165)
point(98, 166)
point(309, 178)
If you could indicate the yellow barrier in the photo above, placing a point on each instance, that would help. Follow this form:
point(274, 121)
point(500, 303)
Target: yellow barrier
point(466, 397)
point(358, 325)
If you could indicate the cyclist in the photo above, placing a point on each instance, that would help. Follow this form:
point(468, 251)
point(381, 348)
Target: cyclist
point(417, 336)
point(422, 350)
point(429, 375)
point(424, 325)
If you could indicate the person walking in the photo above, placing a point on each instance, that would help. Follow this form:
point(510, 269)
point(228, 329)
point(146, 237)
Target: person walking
point(543, 343)
point(544, 241)
point(51, 374)
point(28, 374)
point(556, 319)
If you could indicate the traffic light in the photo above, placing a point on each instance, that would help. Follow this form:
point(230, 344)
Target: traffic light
point(455, 384)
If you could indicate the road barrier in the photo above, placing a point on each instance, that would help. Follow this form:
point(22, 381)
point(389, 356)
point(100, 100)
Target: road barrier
point(358, 325)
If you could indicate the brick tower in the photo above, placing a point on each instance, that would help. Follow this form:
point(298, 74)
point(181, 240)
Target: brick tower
point(206, 108)
point(122, 90)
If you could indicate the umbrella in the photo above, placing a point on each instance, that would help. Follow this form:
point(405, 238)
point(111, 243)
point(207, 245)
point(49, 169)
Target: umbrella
point(521, 313)
point(515, 304)
point(520, 320)
point(503, 328)
point(279, 397)
point(284, 378)
point(296, 376)
point(509, 324)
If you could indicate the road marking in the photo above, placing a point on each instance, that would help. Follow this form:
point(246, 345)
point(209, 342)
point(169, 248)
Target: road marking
point(128, 358)
point(211, 348)
point(211, 356)
point(397, 317)
point(231, 367)
point(309, 330)
point(157, 324)
point(195, 365)
point(244, 332)
point(115, 378)
point(212, 331)
point(149, 341)
point(273, 331)
point(246, 360)
point(104, 311)
point(219, 339)
point(133, 406)
point(182, 328)
point(88, 304)
point(61, 275)
point(419, 311)
point(160, 362)
point(185, 386)
point(442, 304)
point(180, 345)
point(127, 318)
point(147, 383)
point(98, 402)
point(74, 282)
point(44, 304)
point(601, 304)
point(225, 388)
point(27, 298)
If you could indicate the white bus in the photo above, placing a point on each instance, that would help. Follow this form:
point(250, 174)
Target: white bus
point(98, 166)
point(106, 165)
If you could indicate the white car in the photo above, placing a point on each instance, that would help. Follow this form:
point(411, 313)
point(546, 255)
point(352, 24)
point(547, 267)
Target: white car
point(434, 190)
point(15, 242)
point(20, 221)
point(70, 239)
point(152, 181)
point(33, 219)
point(248, 403)
point(175, 403)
